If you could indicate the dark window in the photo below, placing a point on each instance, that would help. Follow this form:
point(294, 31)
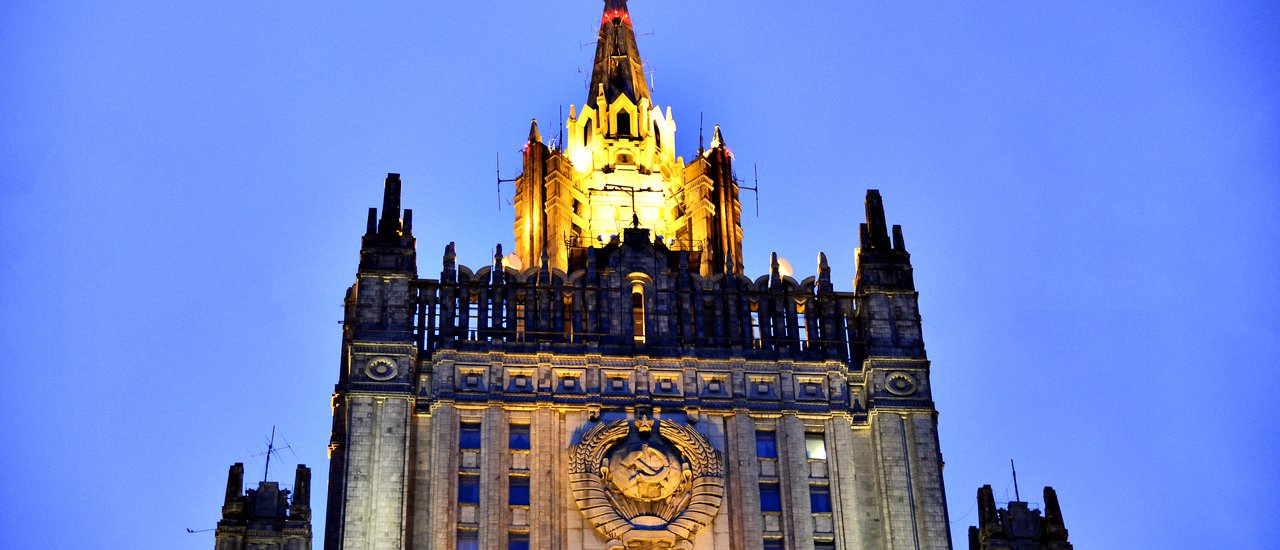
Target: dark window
point(519, 440)
point(770, 499)
point(517, 541)
point(469, 436)
point(468, 489)
point(827, 545)
point(637, 316)
point(468, 540)
point(519, 491)
point(586, 134)
point(774, 544)
point(820, 499)
point(624, 124)
point(766, 444)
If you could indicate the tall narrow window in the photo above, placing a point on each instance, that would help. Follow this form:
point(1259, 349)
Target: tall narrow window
point(755, 329)
point(637, 313)
point(770, 498)
point(802, 329)
point(586, 134)
point(820, 499)
point(473, 317)
point(518, 493)
point(815, 446)
point(468, 489)
point(766, 444)
point(568, 319)
point(517, 541)
point(519, 437)
point(469, 436)
point(624, 124)
point(468, 540)
point(519, 321)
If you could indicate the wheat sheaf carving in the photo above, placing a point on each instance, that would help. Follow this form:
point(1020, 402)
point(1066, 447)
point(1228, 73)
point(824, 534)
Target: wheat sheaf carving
point(682, 505)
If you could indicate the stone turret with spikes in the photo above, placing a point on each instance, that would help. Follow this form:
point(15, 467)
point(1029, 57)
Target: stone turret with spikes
point(617, 69)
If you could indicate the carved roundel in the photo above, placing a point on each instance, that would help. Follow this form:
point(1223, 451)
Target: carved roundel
point(381, 369)
point(900, 383)
point(646, 486)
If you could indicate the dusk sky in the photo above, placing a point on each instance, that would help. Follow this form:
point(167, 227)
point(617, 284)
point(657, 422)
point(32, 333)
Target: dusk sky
point(1090, 192)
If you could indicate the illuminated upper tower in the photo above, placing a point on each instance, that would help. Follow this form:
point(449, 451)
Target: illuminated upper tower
point(621, 384)
point(617, 168)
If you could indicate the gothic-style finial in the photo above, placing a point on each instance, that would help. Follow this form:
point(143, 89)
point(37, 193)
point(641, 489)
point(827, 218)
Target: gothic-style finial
point(717, 140)
point(534, 135)
point(1055, 529)
point(775, 269)
point(617, 69)
point(300, 508)
point(235, 482)
point(450, 263)
point(824, 272)
point(390, 223)
point(876, 231)
point(898, 244)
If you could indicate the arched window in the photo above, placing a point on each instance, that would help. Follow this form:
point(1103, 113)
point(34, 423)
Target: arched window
point(624, 124)
point(586, 134)
point(637, 313)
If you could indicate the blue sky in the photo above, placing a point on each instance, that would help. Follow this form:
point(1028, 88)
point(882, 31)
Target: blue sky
point(1089, 191)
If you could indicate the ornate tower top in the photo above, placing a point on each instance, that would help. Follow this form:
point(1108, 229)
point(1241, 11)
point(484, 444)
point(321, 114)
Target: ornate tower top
point(617, 69)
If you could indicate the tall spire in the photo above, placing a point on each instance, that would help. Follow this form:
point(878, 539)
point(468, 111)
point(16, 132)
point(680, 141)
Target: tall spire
point(617, 66)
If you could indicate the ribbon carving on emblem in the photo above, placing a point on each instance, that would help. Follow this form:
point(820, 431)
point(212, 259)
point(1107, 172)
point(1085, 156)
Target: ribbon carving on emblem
point(644, 488)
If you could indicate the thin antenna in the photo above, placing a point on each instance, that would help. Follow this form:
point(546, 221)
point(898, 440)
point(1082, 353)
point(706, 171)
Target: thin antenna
point(272, 449)
point(560, 137)
point(700, 149)
point(1016, 496)
point(755, 168)
point(497, 170)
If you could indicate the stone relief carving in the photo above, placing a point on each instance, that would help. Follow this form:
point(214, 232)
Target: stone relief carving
point(646, 489)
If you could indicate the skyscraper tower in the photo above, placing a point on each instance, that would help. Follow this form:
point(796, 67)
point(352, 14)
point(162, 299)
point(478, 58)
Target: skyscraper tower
point(618, 381)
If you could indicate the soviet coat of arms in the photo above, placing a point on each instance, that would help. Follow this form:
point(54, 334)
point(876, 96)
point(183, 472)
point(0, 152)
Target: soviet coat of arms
point(644, 488)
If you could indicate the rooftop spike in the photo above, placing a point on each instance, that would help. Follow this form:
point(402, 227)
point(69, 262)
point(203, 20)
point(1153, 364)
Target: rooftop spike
point(390, 222)
point(717, 140)
point(877, 233)
point(534, 135)
point(617, 69)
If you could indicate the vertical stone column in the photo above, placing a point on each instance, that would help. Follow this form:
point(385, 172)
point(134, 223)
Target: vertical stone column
point(793, 471)
point(742, 483)
point(443, 514)
point(495, 467)
point(420, 460)
point(852, 485)
point(546, 462)
point(896, 489)
point(926, 478)
point(374, 512)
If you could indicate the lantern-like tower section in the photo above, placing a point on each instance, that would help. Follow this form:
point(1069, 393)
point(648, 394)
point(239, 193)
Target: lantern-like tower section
point(618, 169)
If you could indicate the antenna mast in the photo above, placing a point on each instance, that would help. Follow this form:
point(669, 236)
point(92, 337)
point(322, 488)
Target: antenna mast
point(497, 171)
point(272, 449)
point(1016, 496)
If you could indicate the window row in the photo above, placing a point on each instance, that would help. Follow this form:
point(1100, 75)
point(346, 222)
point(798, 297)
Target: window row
point(469, 490)
point(469, 438)
point(819, 498)
point(815, 445)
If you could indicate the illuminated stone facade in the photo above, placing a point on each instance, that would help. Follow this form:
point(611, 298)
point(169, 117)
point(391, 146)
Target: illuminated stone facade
point(618, 382)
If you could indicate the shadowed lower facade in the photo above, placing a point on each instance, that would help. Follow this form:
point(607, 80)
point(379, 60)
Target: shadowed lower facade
point(617, 381)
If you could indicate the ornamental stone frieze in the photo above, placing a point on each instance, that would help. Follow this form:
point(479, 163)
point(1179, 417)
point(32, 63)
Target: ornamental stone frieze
point(644, 488)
